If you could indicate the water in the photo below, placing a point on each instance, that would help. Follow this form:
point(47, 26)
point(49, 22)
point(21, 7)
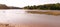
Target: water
point(17, 16)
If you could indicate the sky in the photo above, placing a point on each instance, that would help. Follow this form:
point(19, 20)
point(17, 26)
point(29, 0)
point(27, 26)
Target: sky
point(22, 3)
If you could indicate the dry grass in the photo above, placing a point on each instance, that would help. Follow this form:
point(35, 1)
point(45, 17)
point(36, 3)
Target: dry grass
point(48, 12)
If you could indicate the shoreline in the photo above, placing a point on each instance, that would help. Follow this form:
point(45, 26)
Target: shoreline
point(47, 12)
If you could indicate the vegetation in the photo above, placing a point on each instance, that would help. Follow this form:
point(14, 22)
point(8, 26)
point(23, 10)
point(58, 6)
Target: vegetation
point(39, 7)
point(3, 6)
point(45, 7)
point(48, 12)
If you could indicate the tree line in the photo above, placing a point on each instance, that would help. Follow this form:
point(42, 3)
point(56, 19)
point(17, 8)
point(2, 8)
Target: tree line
point(55, 6)
point(45, 7)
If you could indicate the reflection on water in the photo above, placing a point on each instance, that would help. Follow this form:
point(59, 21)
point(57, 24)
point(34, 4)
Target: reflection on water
point(20, 16)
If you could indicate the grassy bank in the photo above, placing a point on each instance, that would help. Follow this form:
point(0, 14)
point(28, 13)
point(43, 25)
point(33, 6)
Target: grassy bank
point(48, 12)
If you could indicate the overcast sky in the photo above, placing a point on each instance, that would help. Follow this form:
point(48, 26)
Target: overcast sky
point(22, 3)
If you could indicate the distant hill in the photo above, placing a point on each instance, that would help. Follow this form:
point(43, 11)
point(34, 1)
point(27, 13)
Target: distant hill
point(11, 7)
point(3, 6)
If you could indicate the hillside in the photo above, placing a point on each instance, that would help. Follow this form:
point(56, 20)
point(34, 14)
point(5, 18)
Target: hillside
point(3, 6)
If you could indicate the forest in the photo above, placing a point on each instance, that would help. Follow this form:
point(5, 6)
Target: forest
point(55, 6)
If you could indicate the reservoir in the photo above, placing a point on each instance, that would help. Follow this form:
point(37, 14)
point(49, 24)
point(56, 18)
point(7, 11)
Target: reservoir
point(17, 16)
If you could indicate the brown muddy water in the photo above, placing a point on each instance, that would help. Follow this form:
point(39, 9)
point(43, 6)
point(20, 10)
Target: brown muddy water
point(17, 16)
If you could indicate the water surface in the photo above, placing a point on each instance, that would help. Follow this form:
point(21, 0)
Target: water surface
point(18, 16)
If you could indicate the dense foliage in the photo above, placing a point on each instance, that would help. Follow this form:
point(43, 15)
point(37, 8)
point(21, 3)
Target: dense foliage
point(45, 7)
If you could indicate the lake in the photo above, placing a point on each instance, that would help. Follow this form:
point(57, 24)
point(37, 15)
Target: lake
point(17, 16)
